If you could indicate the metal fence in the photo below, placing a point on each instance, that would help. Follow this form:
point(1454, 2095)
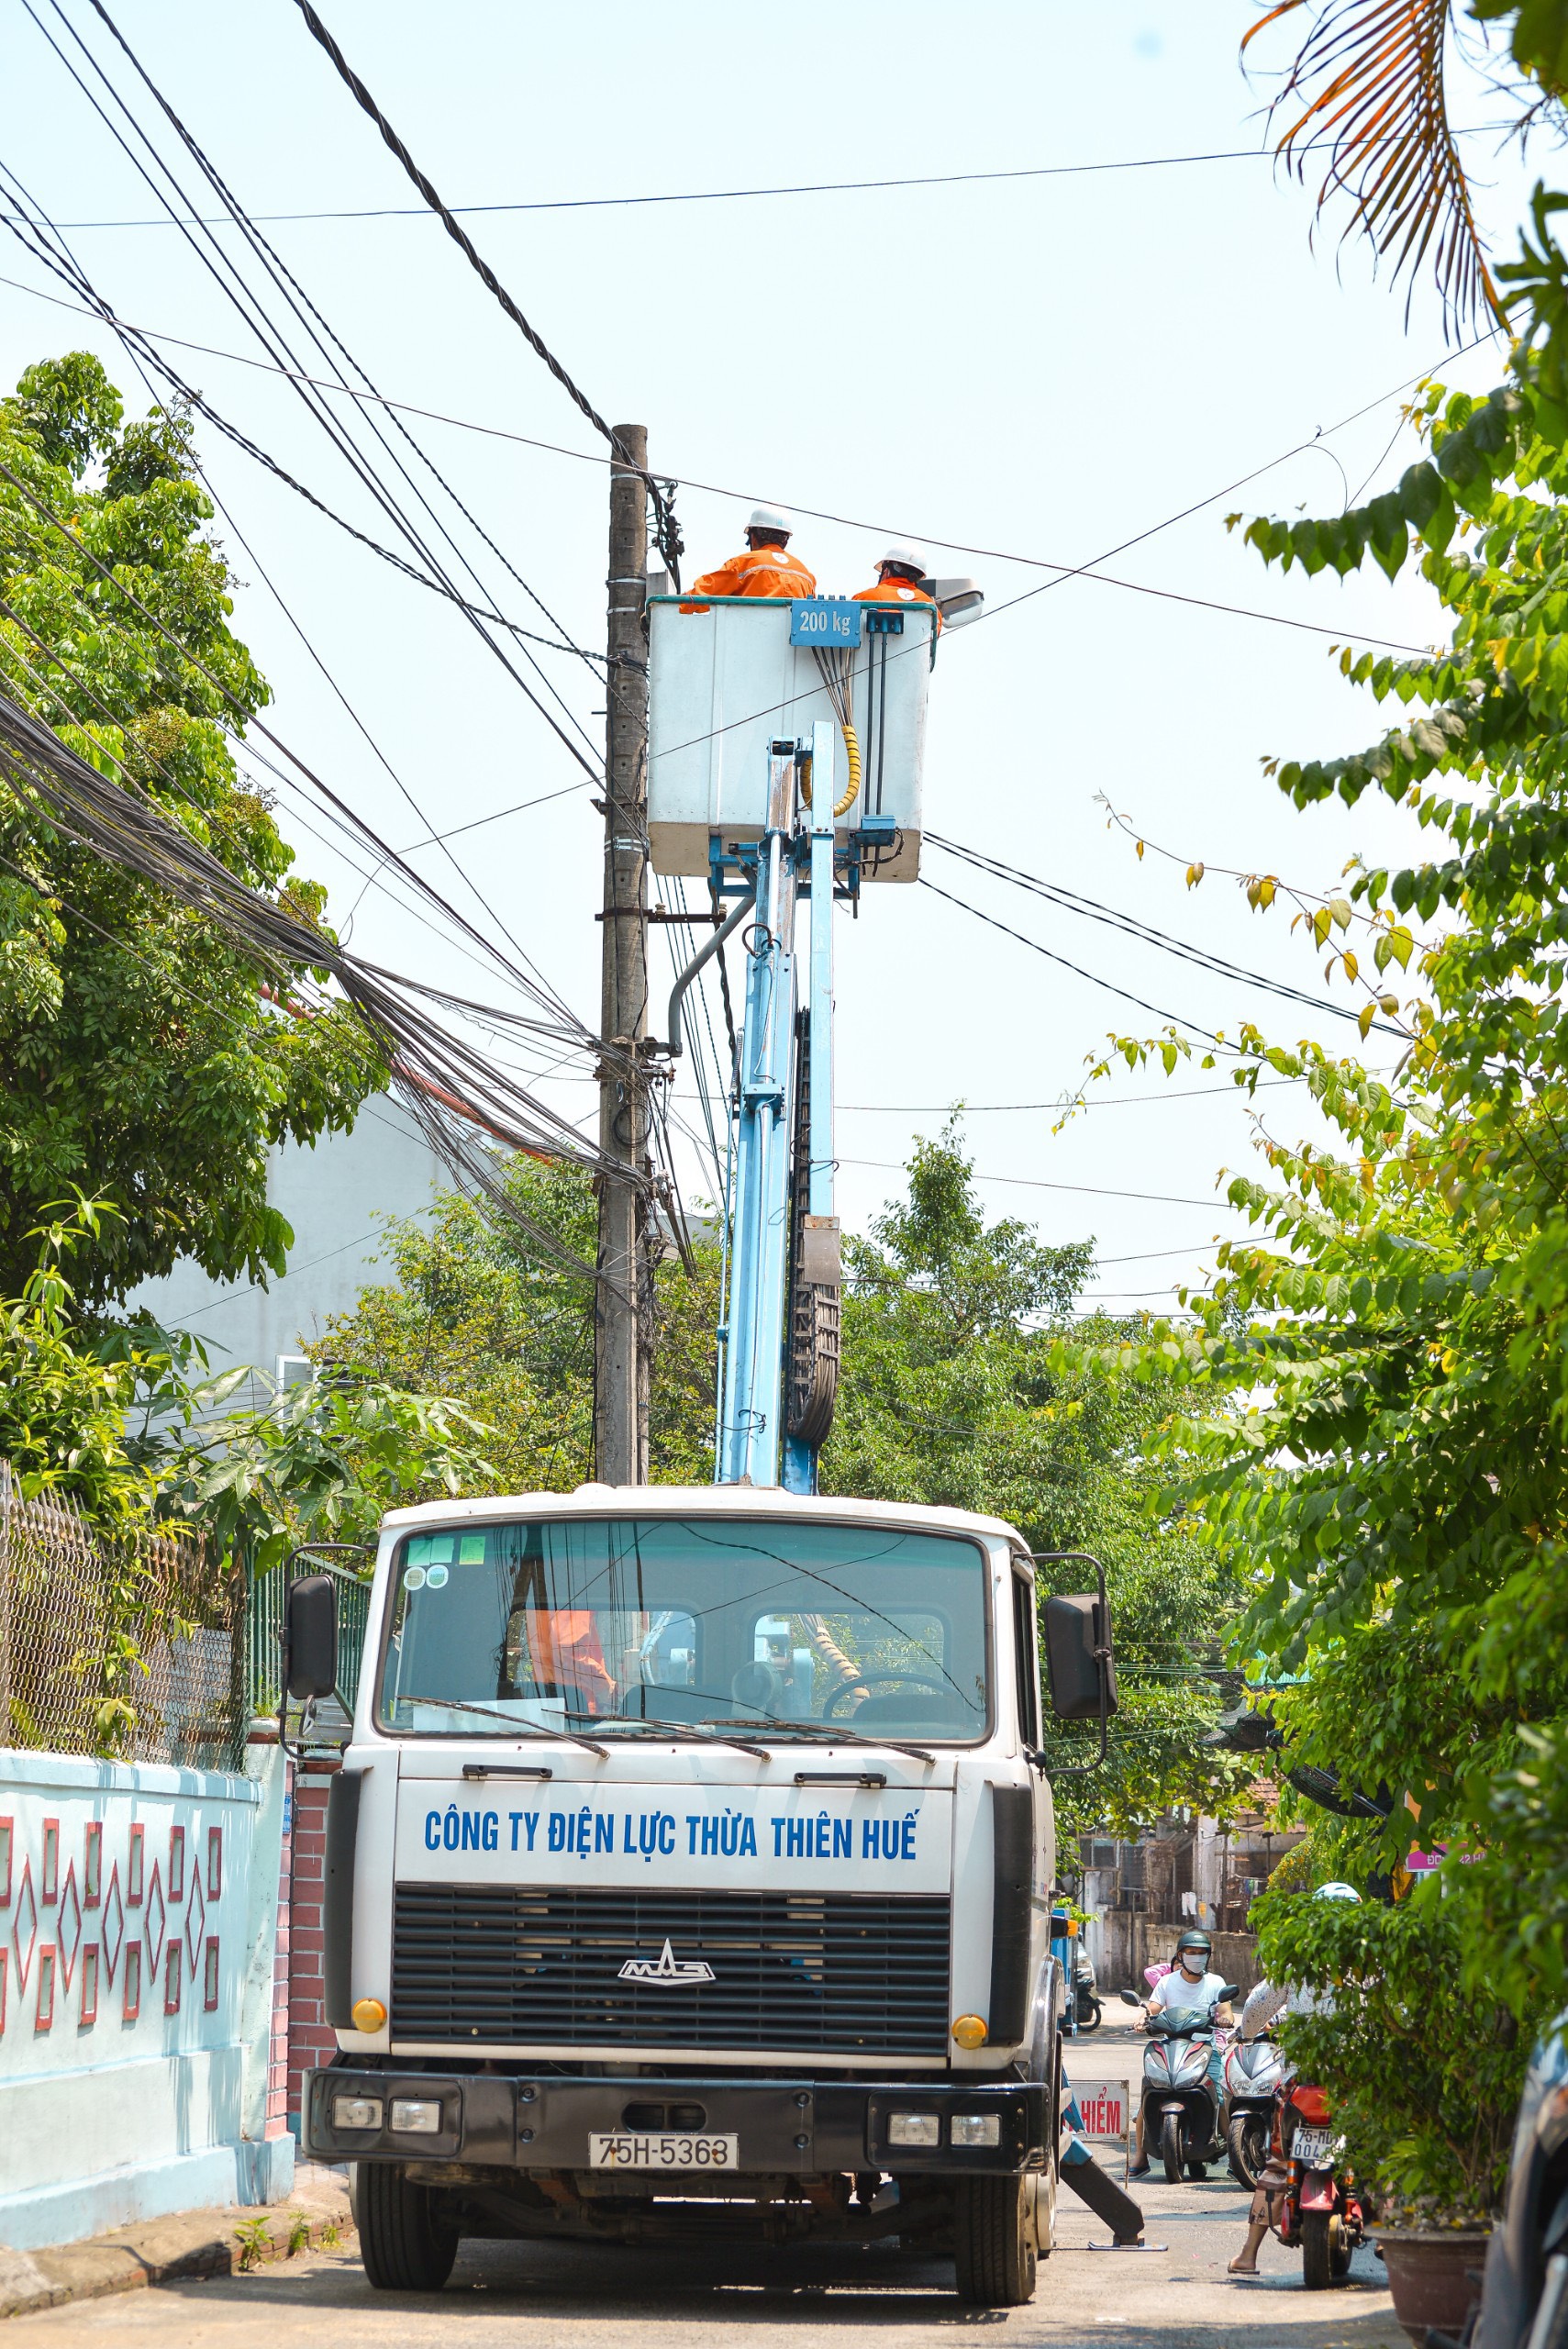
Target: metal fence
point(129, 1645)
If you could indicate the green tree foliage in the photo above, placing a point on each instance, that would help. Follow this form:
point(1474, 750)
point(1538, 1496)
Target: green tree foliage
point(1378, 1393)
point(139, 1062)
point(948, 1397)
point(953, 1395)
point(472, 1313)
point(1422, 2072)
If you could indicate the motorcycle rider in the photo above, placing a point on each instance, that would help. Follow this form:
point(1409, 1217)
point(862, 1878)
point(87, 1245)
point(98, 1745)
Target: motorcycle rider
point(1188, 1984)
point(1264, 2006)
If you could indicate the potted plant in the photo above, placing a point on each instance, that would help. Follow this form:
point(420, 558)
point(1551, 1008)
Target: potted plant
point(1422, 2073)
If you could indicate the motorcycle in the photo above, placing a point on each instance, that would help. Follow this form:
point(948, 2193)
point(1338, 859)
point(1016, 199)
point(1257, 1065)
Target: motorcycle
point(1320, 2213)
point(1181, 2105)
point(1085, 1991)
point(1255, 2074)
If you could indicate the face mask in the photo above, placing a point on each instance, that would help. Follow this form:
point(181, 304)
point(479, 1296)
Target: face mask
point(1192, 1965)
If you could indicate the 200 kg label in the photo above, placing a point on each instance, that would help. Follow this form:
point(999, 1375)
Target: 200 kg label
point(668, 2150)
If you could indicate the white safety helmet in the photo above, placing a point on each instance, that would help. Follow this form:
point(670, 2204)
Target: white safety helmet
point(1336, 1892)
point(910, 557)
point(768, 517)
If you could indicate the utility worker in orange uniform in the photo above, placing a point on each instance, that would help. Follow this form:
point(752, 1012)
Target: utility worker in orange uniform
point(767, 567)
point(898, 576)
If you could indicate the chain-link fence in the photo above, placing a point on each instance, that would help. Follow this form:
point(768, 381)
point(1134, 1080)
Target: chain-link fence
point(130, 1645)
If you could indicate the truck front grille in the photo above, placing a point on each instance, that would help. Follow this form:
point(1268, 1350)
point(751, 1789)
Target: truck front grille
point(541, 1966)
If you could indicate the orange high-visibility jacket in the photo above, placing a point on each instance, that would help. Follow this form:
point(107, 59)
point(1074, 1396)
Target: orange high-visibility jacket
point(564, 1643)
point(896, 591)
point(760, 570)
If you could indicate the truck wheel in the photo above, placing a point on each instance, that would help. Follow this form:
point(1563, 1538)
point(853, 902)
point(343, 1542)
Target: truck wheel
point(405, 2246)
point(1247, 2147)
point(1317, 2251)
point(1170, 2147)
point(993, 2241)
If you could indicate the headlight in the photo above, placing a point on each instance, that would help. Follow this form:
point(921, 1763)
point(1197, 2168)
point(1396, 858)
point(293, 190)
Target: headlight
point(914, 2128)
point(417, 2116)
point(356, 2112)
point(976, 2129)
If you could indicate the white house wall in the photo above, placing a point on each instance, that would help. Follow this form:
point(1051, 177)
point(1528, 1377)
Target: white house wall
point(345, 1197)
point(137, 1918)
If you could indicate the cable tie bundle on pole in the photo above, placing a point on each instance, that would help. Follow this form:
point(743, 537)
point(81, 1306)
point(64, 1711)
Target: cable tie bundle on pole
point(443, 1082)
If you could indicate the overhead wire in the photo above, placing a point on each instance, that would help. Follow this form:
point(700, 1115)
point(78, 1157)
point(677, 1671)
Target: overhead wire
point(1092, 909)
point(427, 1064)
point(221, 267)
point(808, 187)
point(283, 275)
point(668, 537)
point(532, 987)
point(952, 546)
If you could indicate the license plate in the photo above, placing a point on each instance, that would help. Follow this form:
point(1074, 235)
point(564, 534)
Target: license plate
point(1314, 2148)
point(661, 2150)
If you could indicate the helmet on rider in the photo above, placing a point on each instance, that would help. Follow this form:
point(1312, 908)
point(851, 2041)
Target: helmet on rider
point(1193, 1951)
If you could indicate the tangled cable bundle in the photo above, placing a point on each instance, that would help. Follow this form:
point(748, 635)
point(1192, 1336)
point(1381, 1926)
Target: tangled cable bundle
point(433, 1071)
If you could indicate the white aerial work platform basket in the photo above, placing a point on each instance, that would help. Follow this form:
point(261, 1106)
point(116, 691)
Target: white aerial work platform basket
point(726, 683)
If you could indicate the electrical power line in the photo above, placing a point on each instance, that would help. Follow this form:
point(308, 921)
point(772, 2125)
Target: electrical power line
point(1027, 1182)
point(808, 187)
point(1069, 901)
point(668, 538)
point(1062, 572)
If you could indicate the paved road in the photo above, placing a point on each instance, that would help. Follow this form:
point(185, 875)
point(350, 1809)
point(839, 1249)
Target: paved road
point(529, 2296)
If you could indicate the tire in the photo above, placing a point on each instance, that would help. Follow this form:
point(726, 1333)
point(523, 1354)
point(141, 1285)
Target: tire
point(405, 2246)
point(1316, 2249)
point(996, 2255)
point(1088, 2014)
point(1342, 2251)
point(1170, 2147)
point(1247, 2147)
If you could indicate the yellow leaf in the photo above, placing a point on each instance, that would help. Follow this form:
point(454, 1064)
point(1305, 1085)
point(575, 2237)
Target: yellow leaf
point(1368, 1013)
point(1139, 846)
point(1389, 1003)
point(1194, 875)
point(1265, 892)
point(1321, 921)
point(1343, 911)
point(1350, 963)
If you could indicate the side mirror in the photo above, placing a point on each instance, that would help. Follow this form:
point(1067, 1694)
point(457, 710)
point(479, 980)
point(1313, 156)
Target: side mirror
point(310, 1637)
point(1228, 1990)
point(1082, 1682)
point(1130, 1997)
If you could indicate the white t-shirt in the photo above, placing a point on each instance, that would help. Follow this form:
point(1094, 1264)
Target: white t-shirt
point(1174, 1989)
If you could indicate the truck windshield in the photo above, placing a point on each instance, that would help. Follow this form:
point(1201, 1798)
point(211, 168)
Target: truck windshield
point(560, 1622)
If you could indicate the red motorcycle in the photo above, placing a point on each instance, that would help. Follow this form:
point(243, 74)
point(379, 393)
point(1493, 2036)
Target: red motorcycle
point(1320, 2213)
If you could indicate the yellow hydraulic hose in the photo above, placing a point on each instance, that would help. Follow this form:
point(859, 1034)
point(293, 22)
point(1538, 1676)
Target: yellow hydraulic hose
point(852, 747)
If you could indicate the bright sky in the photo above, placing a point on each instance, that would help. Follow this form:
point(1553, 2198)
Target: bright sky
point(1045, 367)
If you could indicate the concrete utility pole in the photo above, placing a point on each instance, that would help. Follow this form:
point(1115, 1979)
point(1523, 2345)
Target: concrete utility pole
point(624, 1309)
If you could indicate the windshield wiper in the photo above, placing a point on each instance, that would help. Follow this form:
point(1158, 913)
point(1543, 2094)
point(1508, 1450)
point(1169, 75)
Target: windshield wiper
point(494, 1713)
point(673, 1728)
point(827, 1733)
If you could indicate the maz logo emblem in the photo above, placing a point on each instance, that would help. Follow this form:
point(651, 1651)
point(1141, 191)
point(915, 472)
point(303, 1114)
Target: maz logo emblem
point(667, 1967)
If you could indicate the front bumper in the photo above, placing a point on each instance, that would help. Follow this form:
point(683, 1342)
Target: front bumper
point(784, 2127)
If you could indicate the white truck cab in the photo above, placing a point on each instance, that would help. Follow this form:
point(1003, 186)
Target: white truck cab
point(690, 1863)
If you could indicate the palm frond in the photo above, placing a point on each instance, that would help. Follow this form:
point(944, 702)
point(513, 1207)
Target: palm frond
point(1368, 97)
